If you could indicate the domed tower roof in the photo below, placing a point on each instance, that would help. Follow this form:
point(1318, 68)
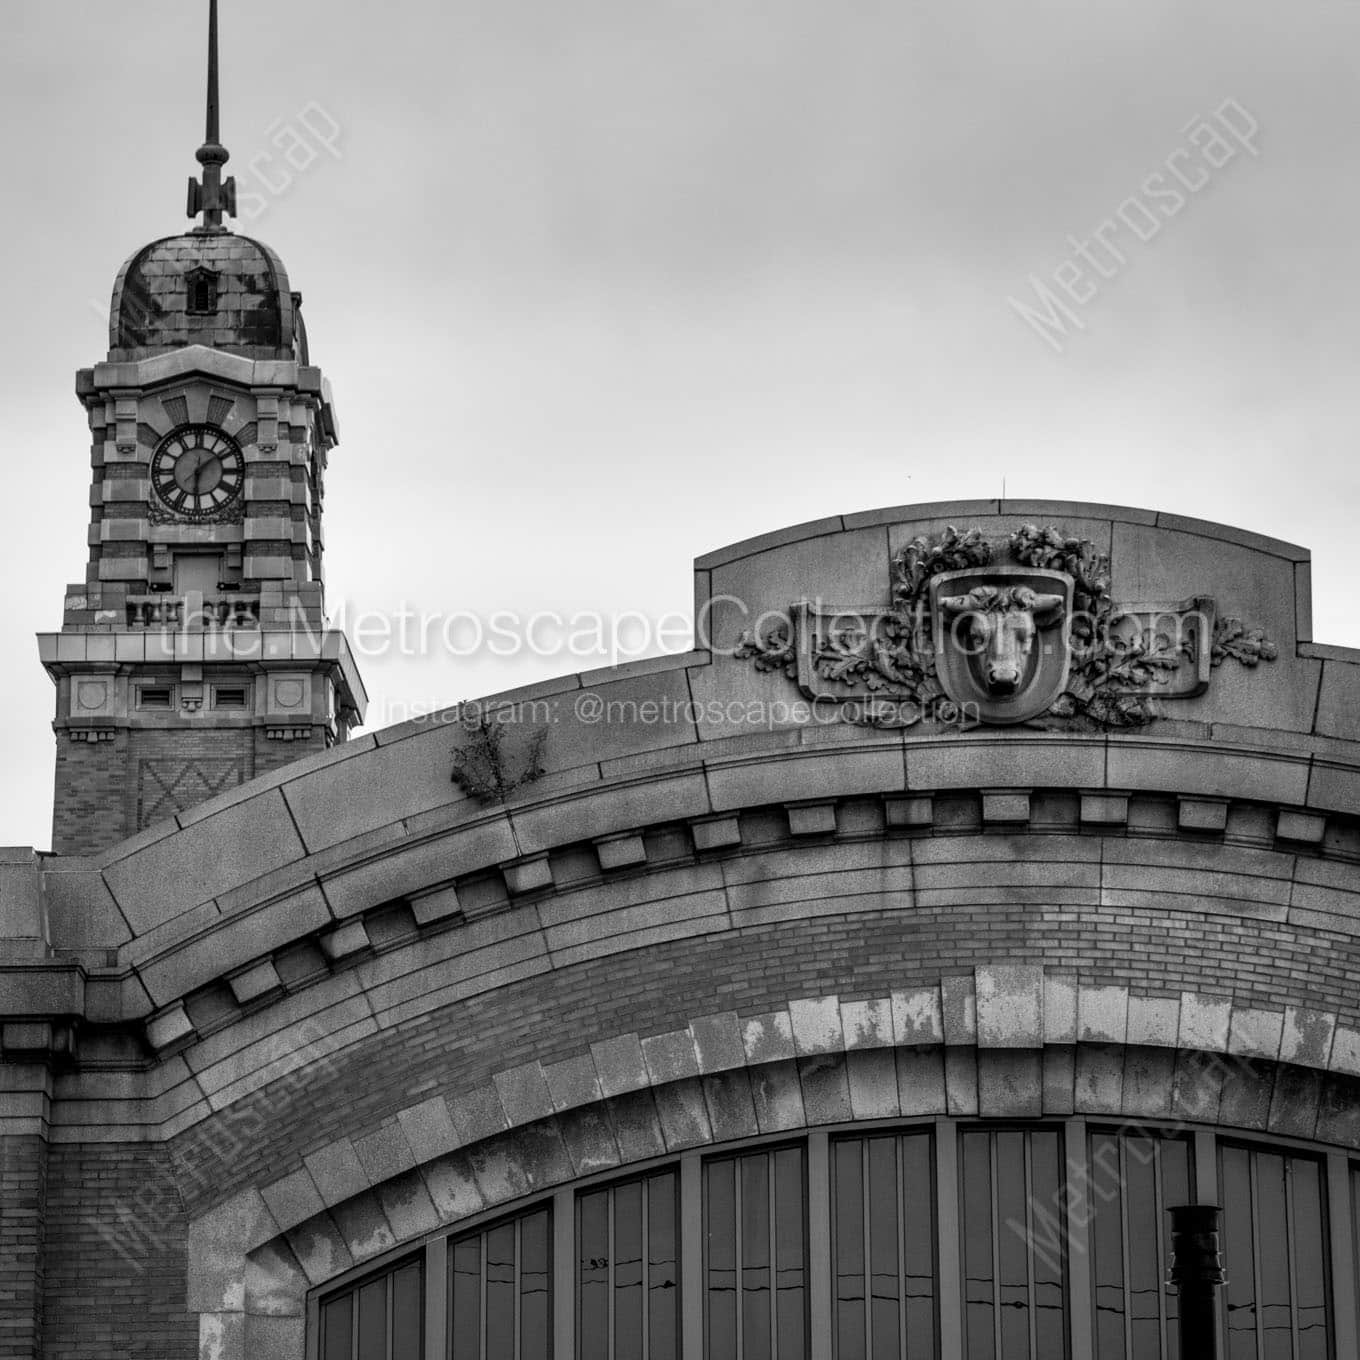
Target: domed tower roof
point(206, 287)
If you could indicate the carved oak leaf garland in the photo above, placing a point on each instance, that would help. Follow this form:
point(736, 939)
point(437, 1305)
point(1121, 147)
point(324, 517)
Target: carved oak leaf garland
point(897, 653)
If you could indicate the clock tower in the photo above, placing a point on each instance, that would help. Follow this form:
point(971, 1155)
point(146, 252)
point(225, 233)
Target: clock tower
point(195, 654)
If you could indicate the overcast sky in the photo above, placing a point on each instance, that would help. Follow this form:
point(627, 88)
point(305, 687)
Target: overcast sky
point(604, 284)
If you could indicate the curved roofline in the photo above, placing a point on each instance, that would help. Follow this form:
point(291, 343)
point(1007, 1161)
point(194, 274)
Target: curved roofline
point(962, 510)
point(278, 279)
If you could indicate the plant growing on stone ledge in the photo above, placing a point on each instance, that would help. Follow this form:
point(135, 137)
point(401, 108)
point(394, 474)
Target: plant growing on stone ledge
point(486, 769)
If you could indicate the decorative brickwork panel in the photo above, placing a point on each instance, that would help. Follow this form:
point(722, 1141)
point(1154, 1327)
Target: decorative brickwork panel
point(166, 786)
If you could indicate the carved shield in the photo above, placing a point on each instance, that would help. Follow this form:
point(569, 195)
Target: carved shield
point(1001, 639)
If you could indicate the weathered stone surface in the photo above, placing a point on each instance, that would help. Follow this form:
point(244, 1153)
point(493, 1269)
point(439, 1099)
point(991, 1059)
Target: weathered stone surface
point(1010, 1006)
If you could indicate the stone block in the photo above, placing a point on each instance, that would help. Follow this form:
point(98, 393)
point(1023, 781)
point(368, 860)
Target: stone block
point(1198, 1085)
point(440, 905)
point(620, 1065)
point(429, 1129)
point(476, 1114)
point(909, 811)
point(527, 875)
point(1104, 809)
point(684, 1115)
point(816, 1025)
point(1294, 1102)
point(620, 851)
point(1255, 1033)
point(715, 833)
point(572, 1082)
point(275, 1286)
point(1010, 1006)
point(319, 1249)
point(250, 984)
point(1059, 1078)
point(920, 1081)
point(384, 1153)
point(917, 1017)
point(960, 1081)
point(496, 1165)
point(169, 1030)
point(408, 1206)
point(1102, 1014)
point(1154, 1020)
point(670, 1057)
point(345, 941)
point(637, 1128)
point(363, 1226)
point(1098, 1086)
point(811, 819)
point(777, 1096)
point(1345, 1051)
point(1202, 814)
point(731, 1106)
point(1247, 1089)
point(872, 1074)
point(453, 1188)
point(1149, 1079)
point(958, 1003)
point(826, 1088)
point(1302, 828)
point(540, 1151)
point(718, 1041)
point(768, 1038)
point(867, 1024)
point(1060, 1009)
point(336, 1171)
point(1010, 1083)
point(524, 1093)
point(1306, 1036)
point(1204, 1022)
point(1008, 806)
point(293, 1199)
point(589, 1139)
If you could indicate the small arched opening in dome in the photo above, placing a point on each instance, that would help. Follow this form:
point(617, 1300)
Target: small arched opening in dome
point(202, 292)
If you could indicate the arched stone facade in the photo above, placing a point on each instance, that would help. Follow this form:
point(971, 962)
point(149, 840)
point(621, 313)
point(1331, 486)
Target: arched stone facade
point(351, 1005)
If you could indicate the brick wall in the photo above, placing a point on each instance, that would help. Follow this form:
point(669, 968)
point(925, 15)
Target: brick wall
point(23, 1205)
point(116, 1234)
point(89, 809)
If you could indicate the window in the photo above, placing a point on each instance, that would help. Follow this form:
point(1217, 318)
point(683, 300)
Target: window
point(160, 697)
point(883, 1247)
point(755, 1257)
point(1275, 1253)
point(628, 1270)
point(1133, 1179)
point(381, 1318)
point(229, 696)
point(1014, 1244)
point(202, 289)
point(500, 1291)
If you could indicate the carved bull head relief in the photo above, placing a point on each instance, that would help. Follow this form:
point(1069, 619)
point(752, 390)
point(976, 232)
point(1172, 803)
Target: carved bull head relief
point(1001, 643)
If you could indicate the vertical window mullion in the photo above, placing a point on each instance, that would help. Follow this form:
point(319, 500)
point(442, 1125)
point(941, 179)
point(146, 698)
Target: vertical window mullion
point(772, 1237)
point(949, 1241)
point(518, 1288)
point(1031, 1294)
point(354, 1325)
point(1253, 1179)
point(866, 1199)
point(1127, 1268)
point(739, 1254)
point(1291, 1257)
point(996, 1246)
point(693, 1286)
point(1159, 1216)
point(1340, 1216)
point(389, 1341)
point(900, 1167)
point(645, 1269)
point(482, 1285)
point(1075, 1213)
point(817, 1262)
point(611, 1276)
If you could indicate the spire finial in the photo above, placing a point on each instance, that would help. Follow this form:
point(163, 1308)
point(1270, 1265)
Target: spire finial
point(213, 196)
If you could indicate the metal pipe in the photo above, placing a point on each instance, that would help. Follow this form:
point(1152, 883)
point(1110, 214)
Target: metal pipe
point(1196, 1274)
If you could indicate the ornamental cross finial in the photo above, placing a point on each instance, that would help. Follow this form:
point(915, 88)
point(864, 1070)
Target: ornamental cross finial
point(213, 196)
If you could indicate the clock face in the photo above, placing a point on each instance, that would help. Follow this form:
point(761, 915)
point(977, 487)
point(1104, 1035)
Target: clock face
point(197, 471)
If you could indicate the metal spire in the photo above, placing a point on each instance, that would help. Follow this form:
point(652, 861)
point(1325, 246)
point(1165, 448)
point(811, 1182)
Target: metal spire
point(213, 196)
